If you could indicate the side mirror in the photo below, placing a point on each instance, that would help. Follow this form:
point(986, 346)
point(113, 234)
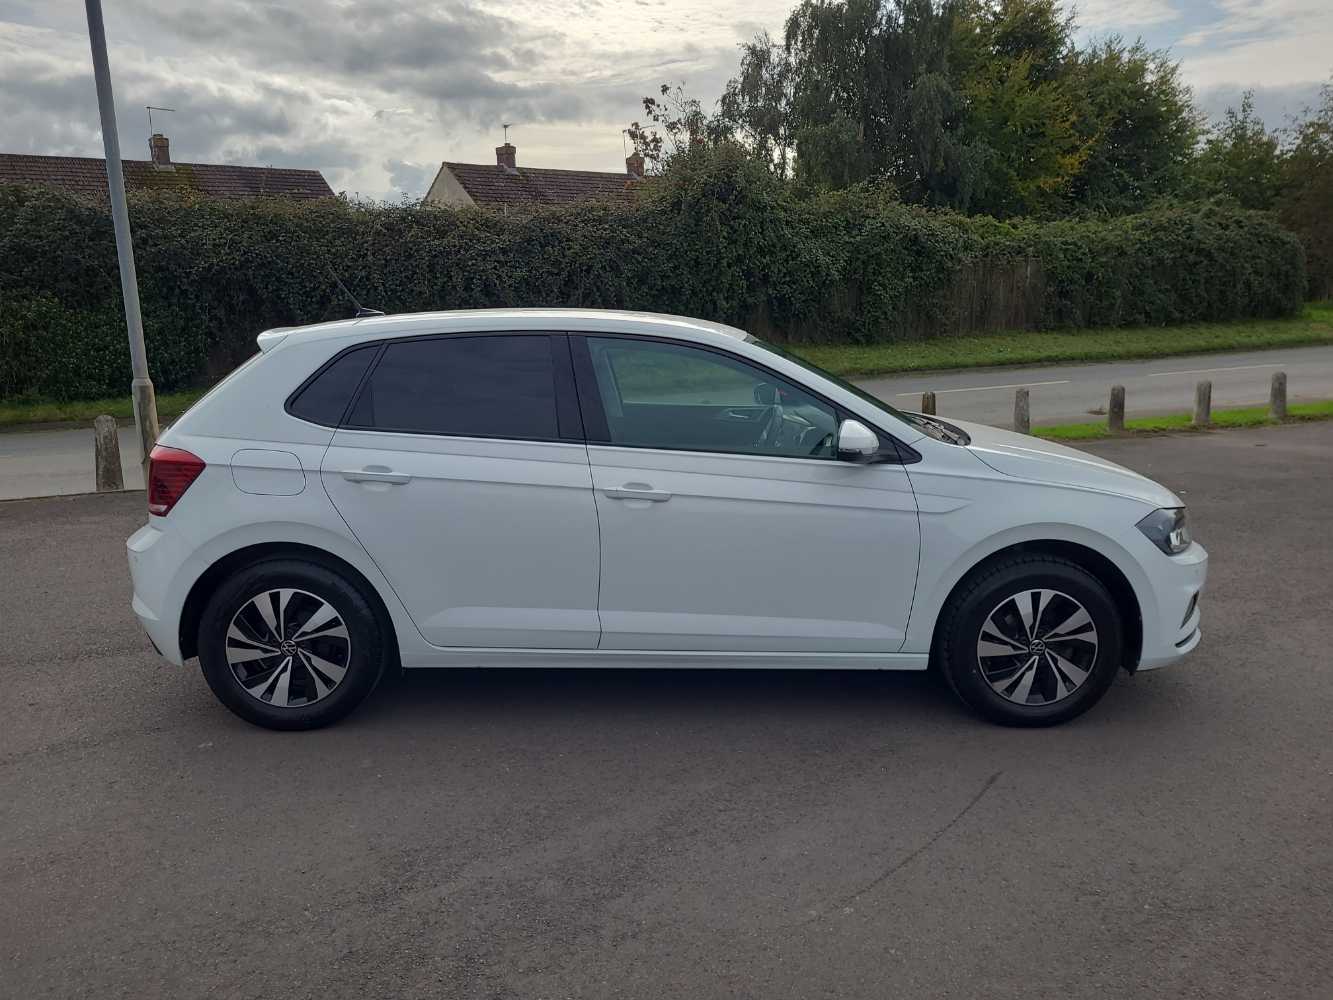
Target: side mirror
point(856, 442)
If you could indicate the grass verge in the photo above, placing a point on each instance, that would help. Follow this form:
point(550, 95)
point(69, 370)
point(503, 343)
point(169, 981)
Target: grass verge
point(15, 414)
point(1247, 416)
point(1313, 326)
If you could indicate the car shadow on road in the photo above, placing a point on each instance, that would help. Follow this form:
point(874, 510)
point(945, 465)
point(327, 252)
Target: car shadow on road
point(803, 699)
point(612, 693)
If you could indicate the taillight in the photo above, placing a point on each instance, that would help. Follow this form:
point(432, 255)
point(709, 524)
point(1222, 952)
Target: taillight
point(170, 473)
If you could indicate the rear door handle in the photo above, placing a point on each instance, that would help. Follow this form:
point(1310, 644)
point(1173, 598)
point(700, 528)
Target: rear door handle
point(376, 474)
point(637, 491)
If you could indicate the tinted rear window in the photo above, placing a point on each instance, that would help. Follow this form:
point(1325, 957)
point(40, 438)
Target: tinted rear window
point(324, 399)
point(491, 386)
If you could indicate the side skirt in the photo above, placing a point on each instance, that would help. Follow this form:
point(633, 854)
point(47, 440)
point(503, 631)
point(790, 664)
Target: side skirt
point(641, 659)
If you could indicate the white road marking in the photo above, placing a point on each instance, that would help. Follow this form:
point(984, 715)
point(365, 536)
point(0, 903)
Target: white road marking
point(1204, 371)
point(983, 388)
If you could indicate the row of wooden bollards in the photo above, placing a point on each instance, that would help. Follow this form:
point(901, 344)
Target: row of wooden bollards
point(1115, 411)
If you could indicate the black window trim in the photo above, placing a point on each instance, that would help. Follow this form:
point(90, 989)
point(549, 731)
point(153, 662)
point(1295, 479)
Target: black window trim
point(892, 451)
point(568, 413)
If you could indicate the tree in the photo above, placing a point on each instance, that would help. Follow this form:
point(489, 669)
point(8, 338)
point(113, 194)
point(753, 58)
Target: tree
point(1240, 159)
point(1020, 121)
point(757, 104)
point(1305, 195)
point(678, 123)
point(1139, 121)
point(984, 106)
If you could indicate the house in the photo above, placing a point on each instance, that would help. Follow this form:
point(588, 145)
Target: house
point(86, 175)
point(505, 185)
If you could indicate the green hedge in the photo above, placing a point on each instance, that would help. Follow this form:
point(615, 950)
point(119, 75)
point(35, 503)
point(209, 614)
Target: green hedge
point(717, 239)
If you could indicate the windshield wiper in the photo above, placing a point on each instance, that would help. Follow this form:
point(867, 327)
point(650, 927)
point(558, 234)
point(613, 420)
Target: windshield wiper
point(941, 431)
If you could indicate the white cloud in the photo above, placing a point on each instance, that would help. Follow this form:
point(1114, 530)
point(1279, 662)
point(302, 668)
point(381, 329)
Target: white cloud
point(1127, 17)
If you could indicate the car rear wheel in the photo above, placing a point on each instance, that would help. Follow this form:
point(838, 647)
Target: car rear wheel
point(288, 644)
point(1030, 641)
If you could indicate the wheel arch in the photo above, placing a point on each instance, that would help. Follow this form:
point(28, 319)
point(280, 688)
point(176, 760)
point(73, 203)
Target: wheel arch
point(1098, 564)
point(206, 585)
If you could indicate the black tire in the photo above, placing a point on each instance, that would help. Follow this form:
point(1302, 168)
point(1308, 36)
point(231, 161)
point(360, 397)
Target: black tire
point(987, 591)
point(367, 652)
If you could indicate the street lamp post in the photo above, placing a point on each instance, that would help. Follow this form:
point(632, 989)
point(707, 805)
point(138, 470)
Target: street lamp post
point(145, 403)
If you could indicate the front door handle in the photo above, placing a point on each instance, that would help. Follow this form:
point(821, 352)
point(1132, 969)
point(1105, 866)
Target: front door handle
point(637, 491)
point(376, 474)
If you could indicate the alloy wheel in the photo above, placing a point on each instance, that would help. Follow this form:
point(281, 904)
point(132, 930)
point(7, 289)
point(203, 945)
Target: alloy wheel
point(288, 648)
point(1037, 647)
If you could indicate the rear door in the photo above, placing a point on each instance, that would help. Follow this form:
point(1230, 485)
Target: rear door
point(461, 468)
point(727, 521)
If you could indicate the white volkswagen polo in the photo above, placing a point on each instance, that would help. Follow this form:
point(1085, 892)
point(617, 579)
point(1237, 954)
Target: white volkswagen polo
point(579, 488)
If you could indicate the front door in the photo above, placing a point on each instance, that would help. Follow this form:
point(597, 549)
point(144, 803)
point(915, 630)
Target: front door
point(462, 471)
point(727, 522)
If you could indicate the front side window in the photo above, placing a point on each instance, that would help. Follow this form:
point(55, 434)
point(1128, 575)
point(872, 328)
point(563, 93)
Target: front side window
point(659, 395)
point(484, 386)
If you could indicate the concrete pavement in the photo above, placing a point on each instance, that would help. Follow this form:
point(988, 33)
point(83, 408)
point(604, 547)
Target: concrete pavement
point(689, 834)
point(55, 462)
point(49, 463)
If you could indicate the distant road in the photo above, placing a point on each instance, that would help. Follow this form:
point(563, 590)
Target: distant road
point(47, 463)
point(1063, 394)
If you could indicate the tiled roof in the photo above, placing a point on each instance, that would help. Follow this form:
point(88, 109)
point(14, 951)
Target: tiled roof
point(490, 185)
point(86, 175)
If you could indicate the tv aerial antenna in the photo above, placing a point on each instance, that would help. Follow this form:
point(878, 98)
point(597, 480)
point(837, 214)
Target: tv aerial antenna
point(150, 108)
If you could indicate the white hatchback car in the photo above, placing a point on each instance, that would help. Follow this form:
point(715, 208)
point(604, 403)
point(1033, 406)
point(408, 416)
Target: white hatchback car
point(610, 489)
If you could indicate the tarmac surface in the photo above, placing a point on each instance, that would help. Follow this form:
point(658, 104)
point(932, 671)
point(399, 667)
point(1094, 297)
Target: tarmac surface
point(681, 834)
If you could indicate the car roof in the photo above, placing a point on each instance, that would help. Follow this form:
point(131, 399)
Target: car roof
point(484, 320)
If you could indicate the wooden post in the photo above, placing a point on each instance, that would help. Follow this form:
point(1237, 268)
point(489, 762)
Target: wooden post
point(1277, 397)
point(106, 454)
point(928, 403)
point(1203, 404)
point(1115, 413)
point(1022, 413)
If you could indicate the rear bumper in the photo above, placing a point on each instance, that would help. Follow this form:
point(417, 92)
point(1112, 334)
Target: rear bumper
point(155, 560)
point(1171, 624)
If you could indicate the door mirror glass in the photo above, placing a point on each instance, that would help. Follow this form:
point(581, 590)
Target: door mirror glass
point(856, 442)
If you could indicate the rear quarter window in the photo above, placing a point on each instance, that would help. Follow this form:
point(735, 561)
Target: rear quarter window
point(324, 399)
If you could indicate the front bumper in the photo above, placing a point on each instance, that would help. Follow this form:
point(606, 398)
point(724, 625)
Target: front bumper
point(1171, 624)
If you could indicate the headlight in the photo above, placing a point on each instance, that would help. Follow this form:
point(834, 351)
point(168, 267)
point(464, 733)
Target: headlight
point(1168, 529)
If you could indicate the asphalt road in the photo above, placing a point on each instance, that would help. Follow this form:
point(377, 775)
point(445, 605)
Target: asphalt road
point(55, 462)
point(1061, 394)
point(681, 834)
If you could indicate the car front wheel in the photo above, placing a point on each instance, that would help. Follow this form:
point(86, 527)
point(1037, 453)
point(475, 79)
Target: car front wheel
point(1030, 641)
point(288, 644)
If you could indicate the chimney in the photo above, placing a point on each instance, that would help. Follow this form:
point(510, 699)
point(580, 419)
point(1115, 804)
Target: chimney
point(504, 158)
point(160, 150)
point(634, 164)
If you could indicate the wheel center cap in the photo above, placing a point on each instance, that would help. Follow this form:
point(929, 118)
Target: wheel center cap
point(288, 646)
point(1037, 647)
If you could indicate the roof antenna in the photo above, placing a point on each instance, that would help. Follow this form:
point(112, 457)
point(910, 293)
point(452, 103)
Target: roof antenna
point(361, 311)
point(150, 109)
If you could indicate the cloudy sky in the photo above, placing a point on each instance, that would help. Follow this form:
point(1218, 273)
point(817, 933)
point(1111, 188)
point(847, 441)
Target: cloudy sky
point(376, 93)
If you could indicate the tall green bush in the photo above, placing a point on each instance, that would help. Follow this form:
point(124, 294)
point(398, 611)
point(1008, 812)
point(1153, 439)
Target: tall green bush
point(717, 238)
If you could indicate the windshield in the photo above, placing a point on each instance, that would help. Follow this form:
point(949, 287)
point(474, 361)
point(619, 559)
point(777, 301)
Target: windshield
point(931, 426)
